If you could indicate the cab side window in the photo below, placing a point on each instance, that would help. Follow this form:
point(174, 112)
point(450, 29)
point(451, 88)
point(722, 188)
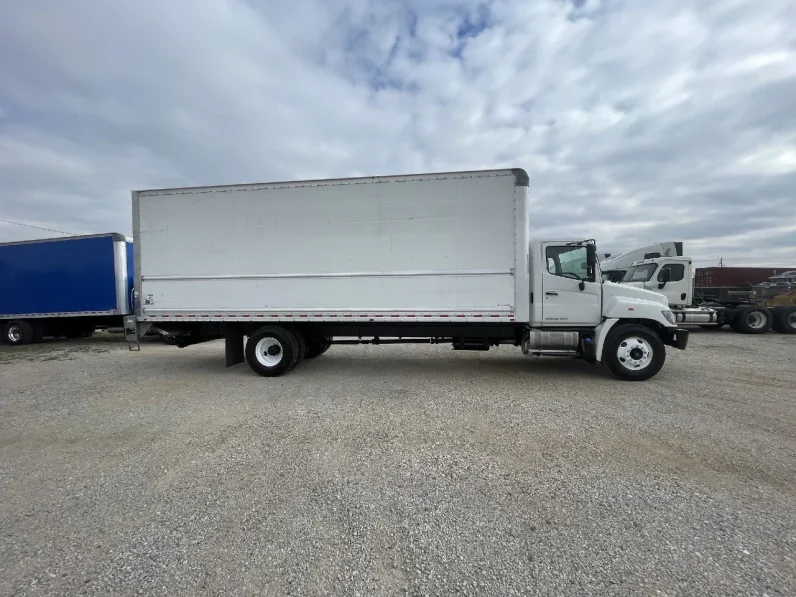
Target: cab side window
point(677, 271)
point(567, 261)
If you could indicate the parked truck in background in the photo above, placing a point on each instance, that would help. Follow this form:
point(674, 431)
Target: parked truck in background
point(747, 310)
point(614, 267)
point(296, 267)
point(66, 286)
point(726, 277)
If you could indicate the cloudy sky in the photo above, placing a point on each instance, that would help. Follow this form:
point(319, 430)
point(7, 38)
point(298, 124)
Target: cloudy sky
point(637, 120)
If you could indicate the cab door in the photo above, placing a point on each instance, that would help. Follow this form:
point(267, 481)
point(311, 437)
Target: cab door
point(571, 297)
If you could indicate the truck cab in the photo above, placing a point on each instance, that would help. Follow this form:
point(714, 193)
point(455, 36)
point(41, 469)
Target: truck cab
point(673, 278)
point(670, 276)
point(573, 308)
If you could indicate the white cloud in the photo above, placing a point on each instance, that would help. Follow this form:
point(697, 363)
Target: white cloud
point(637, 121)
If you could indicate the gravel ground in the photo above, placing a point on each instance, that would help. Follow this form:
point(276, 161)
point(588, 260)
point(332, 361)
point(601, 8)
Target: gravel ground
point(397, 470)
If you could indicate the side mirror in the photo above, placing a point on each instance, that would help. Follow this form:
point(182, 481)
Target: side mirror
point(591, 262)
point(664, 277)
point(591, 255)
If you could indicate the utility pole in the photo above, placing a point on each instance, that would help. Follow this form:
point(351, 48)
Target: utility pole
point(721, 261)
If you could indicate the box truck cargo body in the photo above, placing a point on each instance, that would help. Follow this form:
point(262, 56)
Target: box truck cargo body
point(434, 248)
point(64, 286)
point(297, 266)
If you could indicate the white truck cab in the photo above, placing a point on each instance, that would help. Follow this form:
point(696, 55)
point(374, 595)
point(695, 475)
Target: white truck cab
point(614, 267)
point(673, 277)
point(568, 295)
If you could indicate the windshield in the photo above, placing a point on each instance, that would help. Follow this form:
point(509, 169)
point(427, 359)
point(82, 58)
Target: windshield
point(614, 276)
point(640, 273)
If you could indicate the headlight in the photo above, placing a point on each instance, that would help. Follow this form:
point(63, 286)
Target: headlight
point(669, 316)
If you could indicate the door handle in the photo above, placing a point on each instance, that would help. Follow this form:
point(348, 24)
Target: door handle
point(551, 293)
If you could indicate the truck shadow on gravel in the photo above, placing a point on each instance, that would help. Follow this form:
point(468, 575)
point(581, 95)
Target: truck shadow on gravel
point(342, 366)
point(60, 349)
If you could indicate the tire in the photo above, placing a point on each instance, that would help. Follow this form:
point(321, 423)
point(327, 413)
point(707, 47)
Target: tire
point(316, 346)
point(302, 347)
point(88, 333)
point(634, 352)
point(752, 320)
point(18, 332)
point(785, 320)
point(272, 350)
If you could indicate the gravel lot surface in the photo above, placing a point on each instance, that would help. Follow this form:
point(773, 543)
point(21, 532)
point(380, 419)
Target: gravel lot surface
point(397, 470)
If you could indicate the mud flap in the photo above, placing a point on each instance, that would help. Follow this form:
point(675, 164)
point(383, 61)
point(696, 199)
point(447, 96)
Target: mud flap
point(677, 338)
point(233, 345)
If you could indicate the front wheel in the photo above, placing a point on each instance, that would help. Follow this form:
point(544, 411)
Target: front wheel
point(634, 352)
point(272, 351)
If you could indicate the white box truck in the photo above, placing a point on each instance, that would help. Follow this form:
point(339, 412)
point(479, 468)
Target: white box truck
point(295, 267)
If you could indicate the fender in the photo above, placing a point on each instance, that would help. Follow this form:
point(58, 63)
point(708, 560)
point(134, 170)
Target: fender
point(622, 302)
point(626, 308)
point(600, 334)
point(625, 302)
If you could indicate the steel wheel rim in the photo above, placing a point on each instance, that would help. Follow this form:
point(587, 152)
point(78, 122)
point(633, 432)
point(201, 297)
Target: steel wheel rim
point(269, 352)
point(756, 320)
point(14, 333)
point(634, 353)
point(792, 319)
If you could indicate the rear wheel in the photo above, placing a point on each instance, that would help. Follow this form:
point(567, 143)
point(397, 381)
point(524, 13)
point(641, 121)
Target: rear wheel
point(785, 320)
point(302, 347)
point(634, 352)
point(272, 351)
point(752, 320)
point(18, 332)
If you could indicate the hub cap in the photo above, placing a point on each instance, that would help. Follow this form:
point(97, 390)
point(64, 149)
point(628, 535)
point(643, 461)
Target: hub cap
point(269, 352)
point(634, 353)
point(792, 319)
point(14, 333)
point(756, 320)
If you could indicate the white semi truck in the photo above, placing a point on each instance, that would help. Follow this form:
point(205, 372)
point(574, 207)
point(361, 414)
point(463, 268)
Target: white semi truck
point(296, 267)
point(614, 267)
point(673, 277)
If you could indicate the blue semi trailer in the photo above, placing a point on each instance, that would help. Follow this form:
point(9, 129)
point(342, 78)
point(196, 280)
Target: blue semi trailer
point(66, 286)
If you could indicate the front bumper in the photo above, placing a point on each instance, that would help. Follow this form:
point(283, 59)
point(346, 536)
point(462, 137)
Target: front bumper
point(676, 337)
